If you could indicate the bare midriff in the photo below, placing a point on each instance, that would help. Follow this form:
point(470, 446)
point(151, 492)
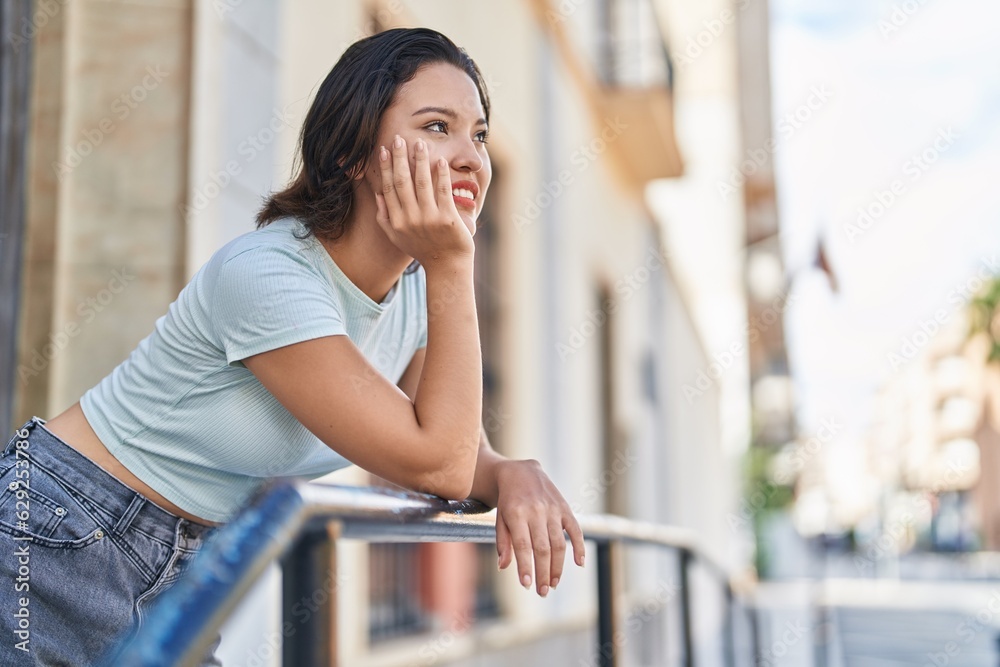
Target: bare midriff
point(73, 428)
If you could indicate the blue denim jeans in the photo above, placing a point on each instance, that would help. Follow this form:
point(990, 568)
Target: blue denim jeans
point(82, 556)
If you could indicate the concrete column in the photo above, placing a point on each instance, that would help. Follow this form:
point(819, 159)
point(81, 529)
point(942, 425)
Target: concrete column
point(105, 244)
point(31, 377)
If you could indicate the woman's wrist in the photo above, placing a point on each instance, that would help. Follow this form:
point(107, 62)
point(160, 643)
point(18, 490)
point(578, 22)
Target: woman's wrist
point(449, 265)
point(504, 468)
point(486, 484)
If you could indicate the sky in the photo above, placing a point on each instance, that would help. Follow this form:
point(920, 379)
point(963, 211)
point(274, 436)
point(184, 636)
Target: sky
point(910, 134)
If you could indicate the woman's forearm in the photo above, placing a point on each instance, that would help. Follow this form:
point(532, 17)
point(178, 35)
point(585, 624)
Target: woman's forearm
point(449, 397)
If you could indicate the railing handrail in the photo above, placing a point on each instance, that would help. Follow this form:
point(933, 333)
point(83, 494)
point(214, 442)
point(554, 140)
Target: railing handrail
point(191, 612)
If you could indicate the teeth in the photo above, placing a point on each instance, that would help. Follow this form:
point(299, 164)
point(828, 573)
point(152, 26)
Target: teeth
point(462, 192)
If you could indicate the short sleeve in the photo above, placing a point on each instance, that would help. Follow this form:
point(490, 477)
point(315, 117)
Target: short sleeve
point(269, 297)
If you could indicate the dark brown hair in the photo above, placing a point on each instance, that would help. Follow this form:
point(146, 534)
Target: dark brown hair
point(342, 125)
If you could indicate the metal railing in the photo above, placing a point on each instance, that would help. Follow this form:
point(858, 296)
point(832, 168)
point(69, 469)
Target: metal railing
point(298, 523)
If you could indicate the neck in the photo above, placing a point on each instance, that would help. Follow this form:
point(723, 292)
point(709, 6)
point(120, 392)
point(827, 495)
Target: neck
point(365, 254)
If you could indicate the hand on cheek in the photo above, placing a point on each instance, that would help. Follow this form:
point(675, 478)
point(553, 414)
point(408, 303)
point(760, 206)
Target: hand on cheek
point(432, 156)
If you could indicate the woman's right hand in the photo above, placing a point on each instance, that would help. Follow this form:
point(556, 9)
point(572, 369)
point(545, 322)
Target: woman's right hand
point(418, 214)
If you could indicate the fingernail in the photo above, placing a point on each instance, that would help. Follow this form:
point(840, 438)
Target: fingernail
point(526, 581)
point(498, 564)
point(420, 145)
point(555, 582)
point(383, 154)
point(398, 143)
point(581, 560)
point(543, 591)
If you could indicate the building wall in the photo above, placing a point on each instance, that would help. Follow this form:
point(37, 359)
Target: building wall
point(704, 228)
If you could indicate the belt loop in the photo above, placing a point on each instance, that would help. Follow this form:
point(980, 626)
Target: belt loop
point(126, 519)
point(28, 425)
point(187, 530)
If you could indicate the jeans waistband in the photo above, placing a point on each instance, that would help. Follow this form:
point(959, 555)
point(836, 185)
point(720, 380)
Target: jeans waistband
point(128, 507)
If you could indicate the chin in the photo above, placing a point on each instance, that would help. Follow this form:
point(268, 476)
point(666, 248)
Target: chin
point(471, 221)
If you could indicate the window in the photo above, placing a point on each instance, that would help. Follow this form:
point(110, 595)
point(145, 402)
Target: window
point(630, 45)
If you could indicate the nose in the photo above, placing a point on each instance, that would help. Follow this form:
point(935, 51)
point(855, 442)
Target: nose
point(465, 156)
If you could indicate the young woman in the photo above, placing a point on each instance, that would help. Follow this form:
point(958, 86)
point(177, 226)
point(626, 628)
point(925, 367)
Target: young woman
point(343, 330)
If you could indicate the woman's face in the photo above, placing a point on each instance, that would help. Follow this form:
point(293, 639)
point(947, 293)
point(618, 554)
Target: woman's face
point(440, 105)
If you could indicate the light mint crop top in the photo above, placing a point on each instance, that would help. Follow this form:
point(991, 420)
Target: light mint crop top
point(186, 416)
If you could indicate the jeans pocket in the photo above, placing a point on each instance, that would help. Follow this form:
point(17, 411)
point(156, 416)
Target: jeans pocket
point(35, 506)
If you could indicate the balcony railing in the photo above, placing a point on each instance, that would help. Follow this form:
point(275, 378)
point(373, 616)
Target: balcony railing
point(627, 79)
point(298, 523)
point(632, 50)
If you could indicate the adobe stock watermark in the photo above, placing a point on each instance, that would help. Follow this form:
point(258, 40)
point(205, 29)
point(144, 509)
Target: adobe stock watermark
point(788, 125)
point(756, 501)
point(595, 487)
point(774, 654)
point(492, 421)
point(712, 29)
point(900, 15)
point(625, 287)
point(223, 7)
point(301, 611)
point(582, 158)
point(707, 378)
point(886, 543)
point(22, 513)
point(828, 429)
point(249, 149)
point(562, 11)
point(121, 108)
point(46, 10)
point(983, 620)
point(386, 357)
point(431, 651)
point(666, 591)
point(381, 16)
point(915, 167)
point(87, 311)
point(958, 297)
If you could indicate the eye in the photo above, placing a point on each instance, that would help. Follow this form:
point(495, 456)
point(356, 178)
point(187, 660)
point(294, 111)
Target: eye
point(439, 126)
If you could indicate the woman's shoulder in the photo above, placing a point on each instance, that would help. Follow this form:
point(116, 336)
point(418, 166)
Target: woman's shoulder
point(279, 253)
point(284, 237)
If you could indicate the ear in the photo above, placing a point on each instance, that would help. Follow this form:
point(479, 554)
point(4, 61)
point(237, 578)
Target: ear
point(357, 173)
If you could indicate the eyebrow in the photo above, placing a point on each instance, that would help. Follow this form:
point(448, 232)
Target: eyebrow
point(446, 112)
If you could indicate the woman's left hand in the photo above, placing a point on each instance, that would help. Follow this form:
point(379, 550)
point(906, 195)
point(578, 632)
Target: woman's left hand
point(531, 516)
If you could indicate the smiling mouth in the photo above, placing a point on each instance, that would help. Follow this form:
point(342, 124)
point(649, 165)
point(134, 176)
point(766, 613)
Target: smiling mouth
point(464, 202)
point(465, 192)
